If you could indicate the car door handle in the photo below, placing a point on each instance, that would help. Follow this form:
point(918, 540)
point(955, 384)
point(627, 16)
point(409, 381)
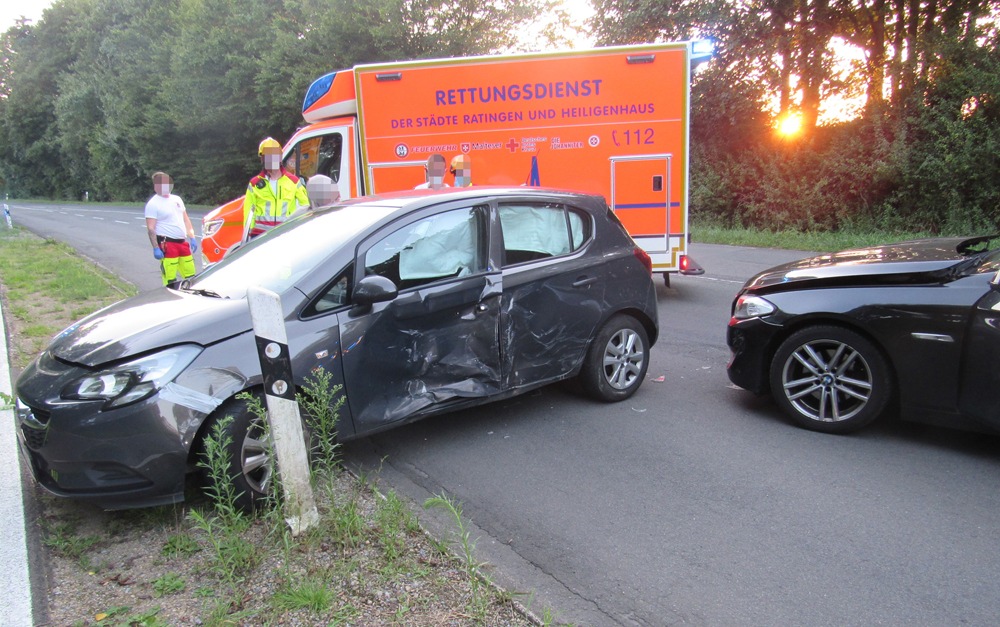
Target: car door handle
point(584, 282)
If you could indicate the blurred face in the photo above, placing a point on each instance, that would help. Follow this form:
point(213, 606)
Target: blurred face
point(163, 185)
point(272, 158)
point(435, 171)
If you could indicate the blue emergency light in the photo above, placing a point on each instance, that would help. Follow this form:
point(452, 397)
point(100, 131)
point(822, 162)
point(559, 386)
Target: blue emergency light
point(318, 88)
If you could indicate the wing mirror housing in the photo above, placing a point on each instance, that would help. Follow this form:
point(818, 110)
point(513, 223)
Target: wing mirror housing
point(370, 290)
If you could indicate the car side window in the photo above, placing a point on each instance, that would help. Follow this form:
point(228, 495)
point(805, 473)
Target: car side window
point(335, 295)
point(540, 231)
point(445, 245)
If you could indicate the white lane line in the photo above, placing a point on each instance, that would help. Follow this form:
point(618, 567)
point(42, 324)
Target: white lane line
point(122, 222)
point(717, 280)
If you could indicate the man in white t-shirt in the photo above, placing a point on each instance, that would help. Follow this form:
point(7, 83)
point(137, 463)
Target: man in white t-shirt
point(170, 231)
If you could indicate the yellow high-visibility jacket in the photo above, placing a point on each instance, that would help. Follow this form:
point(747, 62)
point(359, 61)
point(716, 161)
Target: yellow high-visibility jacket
point(263, 209)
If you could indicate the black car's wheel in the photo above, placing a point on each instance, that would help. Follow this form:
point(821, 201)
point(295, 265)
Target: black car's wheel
point(830, 379)
point(247, 459)
point(617, 360)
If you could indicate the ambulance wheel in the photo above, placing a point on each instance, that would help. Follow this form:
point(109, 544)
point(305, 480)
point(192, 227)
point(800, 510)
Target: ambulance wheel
point(617, 360)
point(666, 279)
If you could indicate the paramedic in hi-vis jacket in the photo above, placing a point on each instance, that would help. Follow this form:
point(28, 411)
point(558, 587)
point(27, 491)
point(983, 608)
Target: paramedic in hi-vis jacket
point(273, 195)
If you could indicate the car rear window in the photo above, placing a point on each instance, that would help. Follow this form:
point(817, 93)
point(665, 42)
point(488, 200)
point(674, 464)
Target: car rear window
point(542, 230)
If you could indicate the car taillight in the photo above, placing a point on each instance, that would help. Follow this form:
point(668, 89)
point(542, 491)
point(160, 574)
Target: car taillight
point(644, 259)
point(690, 267)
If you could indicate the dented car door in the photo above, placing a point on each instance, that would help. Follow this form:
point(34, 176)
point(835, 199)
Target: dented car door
point(435, 342)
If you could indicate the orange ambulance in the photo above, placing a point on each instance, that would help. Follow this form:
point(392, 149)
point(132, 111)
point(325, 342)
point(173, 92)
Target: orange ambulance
point(609, 121)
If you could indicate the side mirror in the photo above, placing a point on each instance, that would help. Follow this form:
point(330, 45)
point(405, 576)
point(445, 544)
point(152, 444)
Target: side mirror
point(371, 290)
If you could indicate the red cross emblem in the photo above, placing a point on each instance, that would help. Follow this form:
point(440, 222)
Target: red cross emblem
point(512, 145)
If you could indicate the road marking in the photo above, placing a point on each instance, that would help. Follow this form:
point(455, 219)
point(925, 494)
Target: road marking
point(122, 222)
point(717, 280)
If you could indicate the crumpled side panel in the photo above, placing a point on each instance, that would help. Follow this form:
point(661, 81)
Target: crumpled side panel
point(426, 348)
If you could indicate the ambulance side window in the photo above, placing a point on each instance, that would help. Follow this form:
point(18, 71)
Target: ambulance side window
point(540, 231)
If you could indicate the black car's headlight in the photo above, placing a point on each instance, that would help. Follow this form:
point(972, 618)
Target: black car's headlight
point(752, 307)
point(134, 380)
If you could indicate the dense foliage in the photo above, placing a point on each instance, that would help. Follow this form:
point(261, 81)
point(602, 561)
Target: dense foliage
point(100, 93)
point(921, 153)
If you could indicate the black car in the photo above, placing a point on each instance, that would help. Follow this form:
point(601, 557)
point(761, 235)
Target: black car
point(839, 339)
point(416, 303)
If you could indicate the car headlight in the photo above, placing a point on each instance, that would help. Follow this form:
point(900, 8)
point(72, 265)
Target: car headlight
point(132, 381)
point(210, 227)
point(752, 307)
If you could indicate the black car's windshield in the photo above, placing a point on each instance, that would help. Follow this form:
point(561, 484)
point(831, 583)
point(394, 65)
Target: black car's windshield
point(276, 261)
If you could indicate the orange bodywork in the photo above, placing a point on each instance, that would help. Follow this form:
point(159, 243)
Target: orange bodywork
point(609, 121)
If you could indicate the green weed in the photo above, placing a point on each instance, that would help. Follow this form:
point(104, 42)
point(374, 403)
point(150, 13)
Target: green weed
point(170, 583)
point(120, 617)
point(321, 403)
point(309, 594)
point(394, 522)
point(180, 545)
point(61, 537)
point(233, 556)
point(478, 581)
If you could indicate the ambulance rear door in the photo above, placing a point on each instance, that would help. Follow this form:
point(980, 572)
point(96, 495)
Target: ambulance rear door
point(641, 198)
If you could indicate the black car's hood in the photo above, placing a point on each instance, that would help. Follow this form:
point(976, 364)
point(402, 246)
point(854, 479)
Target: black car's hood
point(917, 261)
point(148, 321)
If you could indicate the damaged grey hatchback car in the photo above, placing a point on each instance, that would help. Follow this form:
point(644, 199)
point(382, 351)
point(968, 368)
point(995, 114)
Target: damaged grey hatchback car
point(416, 303)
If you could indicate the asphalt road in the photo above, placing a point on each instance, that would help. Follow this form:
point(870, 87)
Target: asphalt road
point(693, 502)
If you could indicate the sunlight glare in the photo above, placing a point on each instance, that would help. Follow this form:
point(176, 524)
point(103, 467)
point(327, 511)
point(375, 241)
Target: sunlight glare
point(789, 125)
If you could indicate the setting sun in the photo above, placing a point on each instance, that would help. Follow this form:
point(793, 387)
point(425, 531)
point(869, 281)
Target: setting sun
point(789, 125)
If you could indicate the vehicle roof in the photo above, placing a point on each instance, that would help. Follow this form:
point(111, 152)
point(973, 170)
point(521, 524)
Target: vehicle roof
point(412, 199)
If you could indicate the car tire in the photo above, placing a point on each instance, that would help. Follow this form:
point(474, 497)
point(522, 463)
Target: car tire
point(250, 466)
point(830, 379)
point(617, 360)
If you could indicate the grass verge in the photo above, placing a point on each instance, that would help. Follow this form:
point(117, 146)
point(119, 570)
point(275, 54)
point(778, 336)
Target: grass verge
point(824, 241)
point(47, 286)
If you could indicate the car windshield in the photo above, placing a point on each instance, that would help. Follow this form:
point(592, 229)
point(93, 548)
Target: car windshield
point(983, 262)
point(278, 260)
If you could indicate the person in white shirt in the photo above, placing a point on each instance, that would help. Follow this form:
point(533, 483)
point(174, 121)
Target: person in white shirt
point(170, 231)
